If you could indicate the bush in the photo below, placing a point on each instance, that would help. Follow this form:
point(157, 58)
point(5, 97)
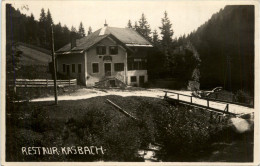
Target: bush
point(146, 85)
point(242, 97)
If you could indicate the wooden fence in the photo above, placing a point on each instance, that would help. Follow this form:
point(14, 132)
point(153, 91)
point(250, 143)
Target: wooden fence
point(41, 83)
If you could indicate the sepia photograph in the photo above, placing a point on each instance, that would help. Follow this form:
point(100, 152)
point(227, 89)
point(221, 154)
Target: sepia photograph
point(129, 81)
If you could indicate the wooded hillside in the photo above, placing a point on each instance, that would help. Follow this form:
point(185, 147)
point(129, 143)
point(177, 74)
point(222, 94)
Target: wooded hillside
point(226, 47)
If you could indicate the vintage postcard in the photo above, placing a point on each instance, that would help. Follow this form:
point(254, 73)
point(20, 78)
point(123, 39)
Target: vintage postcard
point(130, 82)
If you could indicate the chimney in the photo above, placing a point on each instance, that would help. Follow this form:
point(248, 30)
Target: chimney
point(73, 40)
point(105, 25)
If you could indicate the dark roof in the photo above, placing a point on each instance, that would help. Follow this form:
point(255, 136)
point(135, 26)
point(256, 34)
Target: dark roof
point(124, 35)
point(127, 36)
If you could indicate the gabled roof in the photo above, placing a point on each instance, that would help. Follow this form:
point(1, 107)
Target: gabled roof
point(126, 36)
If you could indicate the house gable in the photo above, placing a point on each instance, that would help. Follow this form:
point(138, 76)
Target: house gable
point(101, 60)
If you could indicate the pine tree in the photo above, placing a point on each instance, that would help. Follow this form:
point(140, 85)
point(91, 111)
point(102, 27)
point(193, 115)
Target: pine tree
point(42, 24)
point(66, 34)
point(89, 30)
point(144, 27)
point(73, 29)
point(81, 30)
point(49, 20)
point(42, 16)
point(155, 38)
point(129, 24)
point(166, 31)
point(136, 27)
point(31, 27)
point(166, 42)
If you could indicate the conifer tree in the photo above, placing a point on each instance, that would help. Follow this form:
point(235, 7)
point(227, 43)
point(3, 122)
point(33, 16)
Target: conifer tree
point(73, 29)
point(89, 30)
point(42, 16)
point(31, 27)
point(42, 25)
point(166, 31)
point(155, 38)
point(136, 27)
point(49, 20)
point(166, 42)
point(81, 30)
point(129, 24)
point(144, 27)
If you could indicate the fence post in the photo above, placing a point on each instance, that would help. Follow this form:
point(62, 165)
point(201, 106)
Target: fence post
point(227, 107)
point(208, 103)
point(178, 97)
point(47, 82)
point(69, 82)
point(191, 99)
point(165, 94)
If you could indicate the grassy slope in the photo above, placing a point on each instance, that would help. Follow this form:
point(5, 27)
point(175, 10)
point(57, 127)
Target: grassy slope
point(32, 56)
point(184, 132)
point(33, 64)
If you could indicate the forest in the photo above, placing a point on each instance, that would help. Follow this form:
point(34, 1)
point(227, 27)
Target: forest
point(219, 53)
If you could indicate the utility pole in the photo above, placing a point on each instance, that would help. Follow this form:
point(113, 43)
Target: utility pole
point(54, 66)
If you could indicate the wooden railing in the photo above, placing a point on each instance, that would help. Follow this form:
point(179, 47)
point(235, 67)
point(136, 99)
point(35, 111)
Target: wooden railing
point(41, 83)
point(225, 111)
point(214, 96)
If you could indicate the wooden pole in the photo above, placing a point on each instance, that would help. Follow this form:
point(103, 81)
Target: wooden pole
point(165, 95)
point(54, 66)
point(122, 111)
point(227, 107)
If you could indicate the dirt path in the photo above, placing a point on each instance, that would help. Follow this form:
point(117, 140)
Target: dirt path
point(86, 93)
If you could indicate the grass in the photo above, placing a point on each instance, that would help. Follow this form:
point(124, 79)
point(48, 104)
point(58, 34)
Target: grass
point(32, 93)
point(32, 56)
point(185, 134)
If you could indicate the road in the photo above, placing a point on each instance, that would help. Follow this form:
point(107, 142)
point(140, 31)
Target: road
point(86, 93)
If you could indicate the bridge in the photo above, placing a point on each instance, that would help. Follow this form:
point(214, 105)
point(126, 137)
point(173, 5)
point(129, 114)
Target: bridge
point(207, 104)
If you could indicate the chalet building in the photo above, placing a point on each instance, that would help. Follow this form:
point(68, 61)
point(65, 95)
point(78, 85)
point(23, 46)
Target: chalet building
point(107, 57)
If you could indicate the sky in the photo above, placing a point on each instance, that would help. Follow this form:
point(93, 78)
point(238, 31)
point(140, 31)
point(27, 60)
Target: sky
point(185, 16)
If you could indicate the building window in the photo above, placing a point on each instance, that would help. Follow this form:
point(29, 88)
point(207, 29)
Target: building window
point(136, 64)
point(133, 78)
point(95, 68)
point(101, 50)
point(79, 68)
point(64, 68)
point(73, 68)
point(119, 66)
point(113, 50)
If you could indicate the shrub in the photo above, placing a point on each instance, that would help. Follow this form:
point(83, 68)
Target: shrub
point(242, 97)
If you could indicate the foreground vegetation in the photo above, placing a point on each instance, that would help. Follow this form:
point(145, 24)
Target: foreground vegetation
point(184, 134)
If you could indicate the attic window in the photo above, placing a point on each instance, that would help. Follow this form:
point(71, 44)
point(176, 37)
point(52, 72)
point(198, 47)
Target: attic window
point(101, 50)
point(113, 50)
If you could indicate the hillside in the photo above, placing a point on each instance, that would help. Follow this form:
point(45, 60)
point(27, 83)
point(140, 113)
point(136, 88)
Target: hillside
point(226, 47)
point(27, 61)
point(32, 56)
